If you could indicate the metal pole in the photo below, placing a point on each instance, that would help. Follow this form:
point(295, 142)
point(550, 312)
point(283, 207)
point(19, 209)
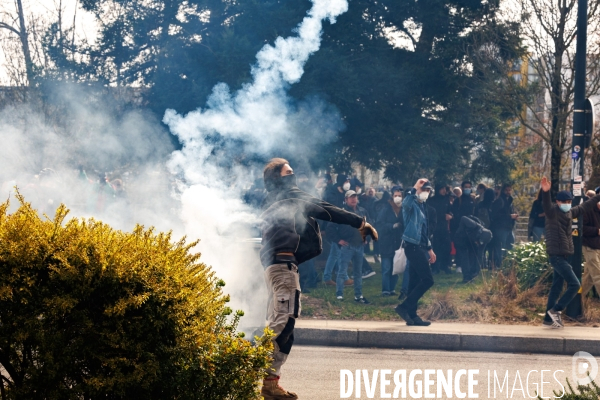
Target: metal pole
point(574, 309)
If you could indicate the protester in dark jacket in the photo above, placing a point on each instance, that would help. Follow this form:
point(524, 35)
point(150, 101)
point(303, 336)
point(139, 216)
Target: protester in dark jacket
point(390, 226)
point(484, 207)
point(441, 242)
point(559, 246)
point(591, 250)
point(290, 236)
point(537, 219)
point(471, 238)
point(463, 206)
point(503, 217)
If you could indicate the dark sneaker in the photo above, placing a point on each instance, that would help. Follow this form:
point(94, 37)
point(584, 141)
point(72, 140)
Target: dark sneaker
point(419, 322)
point(404, 315)
point(385, 294)
point(393, 293)
point(361, 300)
point(402, 296)
point(369, 274)
point(556, 317)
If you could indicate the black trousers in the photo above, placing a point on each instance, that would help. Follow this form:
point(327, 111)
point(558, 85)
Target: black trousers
point(442, 248)
point(421, 278)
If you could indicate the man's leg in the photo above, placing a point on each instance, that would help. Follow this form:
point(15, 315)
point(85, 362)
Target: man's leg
point(573, 284)
point(332, 260)
point(586, 279)
point(595, 270)
point(284, 307)
point(357, 261)
point(345, 257)
point(387, 265)
point(538, 232)
point(591, 273)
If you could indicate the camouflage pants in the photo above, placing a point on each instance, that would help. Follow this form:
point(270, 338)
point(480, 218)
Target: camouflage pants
point(283, 284)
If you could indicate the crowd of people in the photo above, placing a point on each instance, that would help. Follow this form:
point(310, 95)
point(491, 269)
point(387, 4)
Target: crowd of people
point(469, 229)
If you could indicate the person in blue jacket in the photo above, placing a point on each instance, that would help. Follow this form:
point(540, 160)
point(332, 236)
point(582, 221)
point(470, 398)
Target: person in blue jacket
point(417, 247)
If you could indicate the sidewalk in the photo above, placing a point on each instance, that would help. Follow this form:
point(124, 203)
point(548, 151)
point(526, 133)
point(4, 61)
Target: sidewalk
point(448, 336)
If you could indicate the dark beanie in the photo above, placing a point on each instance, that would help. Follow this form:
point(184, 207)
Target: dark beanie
point(564, 196)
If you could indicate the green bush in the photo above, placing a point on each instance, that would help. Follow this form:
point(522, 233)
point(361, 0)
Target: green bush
point(89, 312)
point(584, 392)
point(530, 263)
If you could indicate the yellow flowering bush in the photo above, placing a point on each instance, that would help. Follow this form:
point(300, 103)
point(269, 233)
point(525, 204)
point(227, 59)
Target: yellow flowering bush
point(90, 312)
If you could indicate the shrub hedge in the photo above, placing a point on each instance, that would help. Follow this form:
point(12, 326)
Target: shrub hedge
point(90, 312)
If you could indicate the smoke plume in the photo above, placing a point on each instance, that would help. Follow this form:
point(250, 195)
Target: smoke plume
point(266, 121)
point(196, 191)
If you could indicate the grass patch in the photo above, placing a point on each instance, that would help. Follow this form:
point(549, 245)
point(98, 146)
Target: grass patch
point(491, 298)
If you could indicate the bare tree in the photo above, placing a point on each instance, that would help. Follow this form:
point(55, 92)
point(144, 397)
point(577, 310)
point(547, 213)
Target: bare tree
point(550, 30)
point(13, 21)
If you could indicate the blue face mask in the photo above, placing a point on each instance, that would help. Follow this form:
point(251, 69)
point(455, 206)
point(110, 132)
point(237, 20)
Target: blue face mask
point(565, 207)
point(467, 191)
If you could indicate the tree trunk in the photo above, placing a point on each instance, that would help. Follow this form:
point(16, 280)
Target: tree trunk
point(25, 43)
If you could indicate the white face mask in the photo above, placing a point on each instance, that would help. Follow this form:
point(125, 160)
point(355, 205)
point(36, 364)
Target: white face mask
point(423, 196)
point(346, 186)
point(398, 200)
point(358, 191)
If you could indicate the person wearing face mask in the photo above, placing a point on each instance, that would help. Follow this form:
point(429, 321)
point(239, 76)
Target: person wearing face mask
point(291, 236)
point(417, 247)
point(390, 225)
point(559, 246)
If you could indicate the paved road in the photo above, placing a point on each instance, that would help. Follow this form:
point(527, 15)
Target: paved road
point(314, 372)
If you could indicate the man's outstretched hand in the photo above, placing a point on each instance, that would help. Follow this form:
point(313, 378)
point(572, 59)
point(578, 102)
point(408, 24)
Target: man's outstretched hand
point(367, 230)
point(545, 184)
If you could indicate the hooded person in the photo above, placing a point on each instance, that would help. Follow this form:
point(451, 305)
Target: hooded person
point(471, 238)
point(291, 236)
point(441, 241)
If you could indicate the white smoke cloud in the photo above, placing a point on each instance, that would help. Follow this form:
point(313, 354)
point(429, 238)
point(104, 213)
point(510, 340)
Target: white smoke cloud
point(266, 121)
point(201, 196)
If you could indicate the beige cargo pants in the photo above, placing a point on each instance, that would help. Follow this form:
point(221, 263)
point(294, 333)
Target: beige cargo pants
point(591, 271)
point(283, 307)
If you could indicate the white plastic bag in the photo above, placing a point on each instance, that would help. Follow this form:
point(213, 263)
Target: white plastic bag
point(399, 261)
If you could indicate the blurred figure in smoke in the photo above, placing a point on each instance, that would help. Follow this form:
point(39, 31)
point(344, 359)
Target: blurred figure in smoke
point(335, 196)
point(291, 236)
point(306, 270)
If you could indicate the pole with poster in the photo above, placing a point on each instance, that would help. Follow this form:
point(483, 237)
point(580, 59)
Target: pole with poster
point(574, 309)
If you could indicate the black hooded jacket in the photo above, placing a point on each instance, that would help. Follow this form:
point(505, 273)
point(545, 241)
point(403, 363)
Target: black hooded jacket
point(288, 224)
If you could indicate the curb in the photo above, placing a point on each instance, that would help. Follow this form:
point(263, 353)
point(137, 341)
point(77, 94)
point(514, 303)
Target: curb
point(443, 341)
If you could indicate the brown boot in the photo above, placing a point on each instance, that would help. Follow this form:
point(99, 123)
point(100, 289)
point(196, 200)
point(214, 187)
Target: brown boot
point(272, 391)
